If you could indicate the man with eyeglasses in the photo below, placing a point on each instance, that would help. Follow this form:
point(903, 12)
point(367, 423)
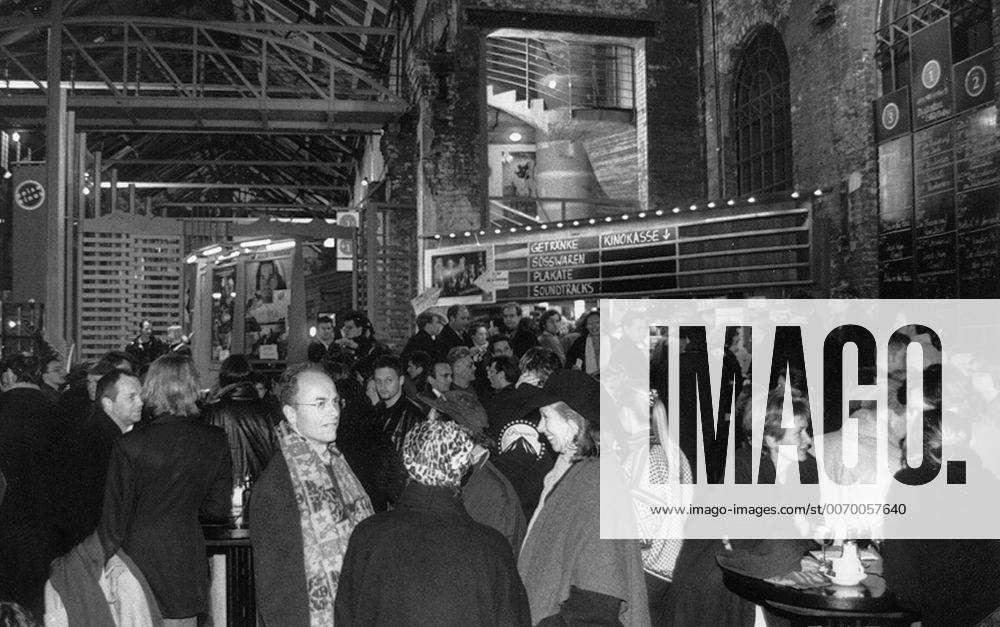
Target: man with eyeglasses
point(304, 506)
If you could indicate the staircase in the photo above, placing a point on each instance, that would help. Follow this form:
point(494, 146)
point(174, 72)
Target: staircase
point(532, 112)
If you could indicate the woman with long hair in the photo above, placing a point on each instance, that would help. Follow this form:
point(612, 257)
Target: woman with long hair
point(161, 476)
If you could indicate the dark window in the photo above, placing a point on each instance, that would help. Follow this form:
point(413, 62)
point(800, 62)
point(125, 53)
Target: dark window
point(970, 33)
point(762, 116)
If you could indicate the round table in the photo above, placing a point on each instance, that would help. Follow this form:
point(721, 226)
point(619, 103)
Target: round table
point(865, 604)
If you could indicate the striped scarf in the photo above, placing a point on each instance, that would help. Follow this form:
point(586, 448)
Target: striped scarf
point(331, 503)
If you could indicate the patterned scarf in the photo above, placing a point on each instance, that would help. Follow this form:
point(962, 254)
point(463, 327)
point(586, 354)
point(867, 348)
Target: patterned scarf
point(331, 503)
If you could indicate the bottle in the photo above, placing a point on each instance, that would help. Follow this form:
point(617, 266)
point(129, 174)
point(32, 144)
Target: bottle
point(236, 510)
point(246, 501)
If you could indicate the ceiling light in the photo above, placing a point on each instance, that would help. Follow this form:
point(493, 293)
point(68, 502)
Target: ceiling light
point(515, 137)
point(642, 214)
point(552, 84)
point(15, 136)
point(330, 242)
point(559, 225)
point(659, 212)
point(751, 199)
point(214, 250)
point(677, 209)
point(496, 231)
point(730, 202)
point(191, 259)
point(255, 242)
point(818, 192)
point(285, 245)
point(795, 194)
point(364, 182)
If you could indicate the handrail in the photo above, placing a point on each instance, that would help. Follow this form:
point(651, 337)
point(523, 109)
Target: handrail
point(518, 209)
point(563, 74)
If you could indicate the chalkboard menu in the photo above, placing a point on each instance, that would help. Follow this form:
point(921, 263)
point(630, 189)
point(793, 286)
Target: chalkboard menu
point(769, 246)
point(895, 160)
point(939, 186)
point(934, 207)
point(977, 202)
point(953, 242)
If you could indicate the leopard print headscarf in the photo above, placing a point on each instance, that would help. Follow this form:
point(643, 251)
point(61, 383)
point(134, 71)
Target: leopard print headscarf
point(436, 453)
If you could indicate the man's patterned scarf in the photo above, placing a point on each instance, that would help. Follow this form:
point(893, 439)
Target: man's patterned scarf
point(331, 503)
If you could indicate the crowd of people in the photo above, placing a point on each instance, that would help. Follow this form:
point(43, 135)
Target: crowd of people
point(454, 483)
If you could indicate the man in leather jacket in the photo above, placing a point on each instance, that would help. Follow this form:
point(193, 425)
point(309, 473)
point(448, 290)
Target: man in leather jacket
point(244, 416)
point(395, 415)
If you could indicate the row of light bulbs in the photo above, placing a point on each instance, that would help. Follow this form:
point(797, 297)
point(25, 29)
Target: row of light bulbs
point(732, 202)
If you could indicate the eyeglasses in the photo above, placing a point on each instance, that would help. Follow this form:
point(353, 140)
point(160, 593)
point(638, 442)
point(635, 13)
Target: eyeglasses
point(323, 403)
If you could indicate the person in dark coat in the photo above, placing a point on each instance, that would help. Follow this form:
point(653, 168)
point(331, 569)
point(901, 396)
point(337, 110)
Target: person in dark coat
point(358, 341)
point(456, 332)
point(146, 347)
point(427, 338)
point(427, 562)
point(323, 347)
point(244, 416)
point(161, 476)
point(396, 415)
point(304, 506)
point(521, 340)
point(29, 430)
point(81, 460)
point(585, 353)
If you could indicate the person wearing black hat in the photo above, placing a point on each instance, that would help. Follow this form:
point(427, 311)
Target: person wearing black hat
point(571, 575)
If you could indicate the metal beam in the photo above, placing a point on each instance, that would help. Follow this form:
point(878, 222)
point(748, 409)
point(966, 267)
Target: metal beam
point(208, 185)
point(234, 27)
point(249, 205)
point(229, 162)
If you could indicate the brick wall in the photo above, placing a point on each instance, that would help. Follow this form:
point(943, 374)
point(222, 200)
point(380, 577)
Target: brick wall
point(833, 79)
point(673, 130)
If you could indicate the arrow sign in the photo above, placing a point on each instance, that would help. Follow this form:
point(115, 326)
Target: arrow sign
point(425, 300)
point(493, 280)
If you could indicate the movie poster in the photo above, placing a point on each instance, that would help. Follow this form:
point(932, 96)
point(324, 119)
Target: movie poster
point(223, 307)
point(268, 298)
point(455, 271)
